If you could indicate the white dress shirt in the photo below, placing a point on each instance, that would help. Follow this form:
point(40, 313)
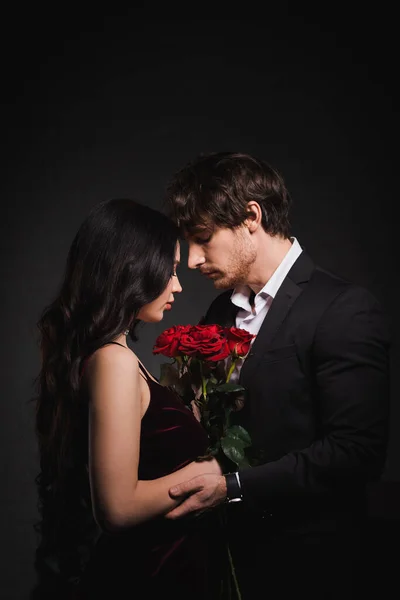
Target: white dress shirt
point(251, 319)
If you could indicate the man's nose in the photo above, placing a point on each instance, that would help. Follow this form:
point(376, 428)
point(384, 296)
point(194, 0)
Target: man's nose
point(195, 258)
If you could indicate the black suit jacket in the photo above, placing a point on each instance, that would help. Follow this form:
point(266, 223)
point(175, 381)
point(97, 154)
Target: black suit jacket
point(317, 404)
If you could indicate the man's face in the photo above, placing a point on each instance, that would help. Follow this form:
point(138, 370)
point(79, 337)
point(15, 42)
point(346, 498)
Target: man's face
point(224, 255)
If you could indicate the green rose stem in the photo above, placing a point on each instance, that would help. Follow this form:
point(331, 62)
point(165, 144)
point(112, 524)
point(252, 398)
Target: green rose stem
point(180, 364)
point(239, 595)
point(231, 369)
point(203, 382)
point(232, 566)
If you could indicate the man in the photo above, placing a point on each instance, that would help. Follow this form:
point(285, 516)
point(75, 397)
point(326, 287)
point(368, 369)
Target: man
point(316, 379)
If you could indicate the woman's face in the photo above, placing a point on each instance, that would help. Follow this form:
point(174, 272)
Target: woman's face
point(154, 311)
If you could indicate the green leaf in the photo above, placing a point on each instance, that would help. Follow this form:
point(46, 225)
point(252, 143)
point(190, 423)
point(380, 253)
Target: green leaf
point(233, 448)
point(169, 377)
point(211, 386)
point(229, 387)
point(239, 432)
point(213, 451)
point(169, 374)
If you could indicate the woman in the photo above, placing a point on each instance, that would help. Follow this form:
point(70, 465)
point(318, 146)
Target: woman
point(112, 441)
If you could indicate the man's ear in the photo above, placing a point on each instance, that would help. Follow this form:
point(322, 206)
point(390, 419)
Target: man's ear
point(253, 220)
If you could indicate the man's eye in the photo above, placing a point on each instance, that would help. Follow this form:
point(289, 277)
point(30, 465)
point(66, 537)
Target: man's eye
point(203, 240)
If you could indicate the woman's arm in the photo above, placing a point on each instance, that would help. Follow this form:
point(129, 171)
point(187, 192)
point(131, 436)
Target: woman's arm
point(117, 401)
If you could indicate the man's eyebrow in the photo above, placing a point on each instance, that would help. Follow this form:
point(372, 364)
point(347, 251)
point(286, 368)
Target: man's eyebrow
point(201, 229)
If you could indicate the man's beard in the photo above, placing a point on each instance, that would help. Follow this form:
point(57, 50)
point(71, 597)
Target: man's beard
point(228, 281)
point(237, 273)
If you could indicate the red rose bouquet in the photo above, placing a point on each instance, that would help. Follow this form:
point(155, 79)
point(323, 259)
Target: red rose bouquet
point(203, 360)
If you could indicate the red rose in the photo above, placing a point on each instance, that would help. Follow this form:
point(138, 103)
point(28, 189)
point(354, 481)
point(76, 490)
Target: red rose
point(207, 342)
point(239, 341)
point(167, 342)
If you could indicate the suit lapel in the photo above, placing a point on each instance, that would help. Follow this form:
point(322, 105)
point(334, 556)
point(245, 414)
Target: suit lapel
point(229, 317)
point(222, 312)
point(281, 305)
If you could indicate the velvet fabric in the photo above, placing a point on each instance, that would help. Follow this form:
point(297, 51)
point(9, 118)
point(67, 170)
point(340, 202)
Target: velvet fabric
point(161, 556)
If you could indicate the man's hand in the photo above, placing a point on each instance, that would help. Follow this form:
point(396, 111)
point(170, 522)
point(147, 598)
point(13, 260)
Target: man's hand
point(198, 494)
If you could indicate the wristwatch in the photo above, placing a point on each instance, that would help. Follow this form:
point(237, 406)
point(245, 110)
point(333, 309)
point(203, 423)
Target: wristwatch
point(233, 488)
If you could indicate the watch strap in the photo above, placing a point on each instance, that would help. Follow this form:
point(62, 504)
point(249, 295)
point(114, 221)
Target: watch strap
point(233, 488)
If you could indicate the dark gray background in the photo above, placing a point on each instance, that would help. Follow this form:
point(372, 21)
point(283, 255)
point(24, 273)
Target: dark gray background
point(98, 106)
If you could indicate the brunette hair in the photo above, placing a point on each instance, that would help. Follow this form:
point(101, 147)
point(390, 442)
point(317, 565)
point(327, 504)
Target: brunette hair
point(121, 258)
point(214, 190)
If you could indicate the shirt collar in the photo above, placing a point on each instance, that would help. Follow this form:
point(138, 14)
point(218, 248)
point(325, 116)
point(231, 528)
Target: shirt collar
point(241, 294)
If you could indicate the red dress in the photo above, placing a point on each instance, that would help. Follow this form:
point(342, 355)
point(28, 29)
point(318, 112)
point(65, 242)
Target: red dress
point(181, 558)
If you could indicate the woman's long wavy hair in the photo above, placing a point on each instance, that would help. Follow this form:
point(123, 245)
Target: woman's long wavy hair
point(121, 259)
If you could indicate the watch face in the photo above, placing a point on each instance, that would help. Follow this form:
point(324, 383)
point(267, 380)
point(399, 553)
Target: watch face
point(239, 499)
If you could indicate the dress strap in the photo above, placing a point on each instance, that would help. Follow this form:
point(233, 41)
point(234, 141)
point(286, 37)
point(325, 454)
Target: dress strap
point(141, 367)
point(117, 343)
point(144, 372)
point(84, 361)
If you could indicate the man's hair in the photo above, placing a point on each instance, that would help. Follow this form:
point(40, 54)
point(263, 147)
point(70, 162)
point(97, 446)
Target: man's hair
point(214, 190)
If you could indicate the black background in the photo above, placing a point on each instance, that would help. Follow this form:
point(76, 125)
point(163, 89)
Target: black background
point(103, 105)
